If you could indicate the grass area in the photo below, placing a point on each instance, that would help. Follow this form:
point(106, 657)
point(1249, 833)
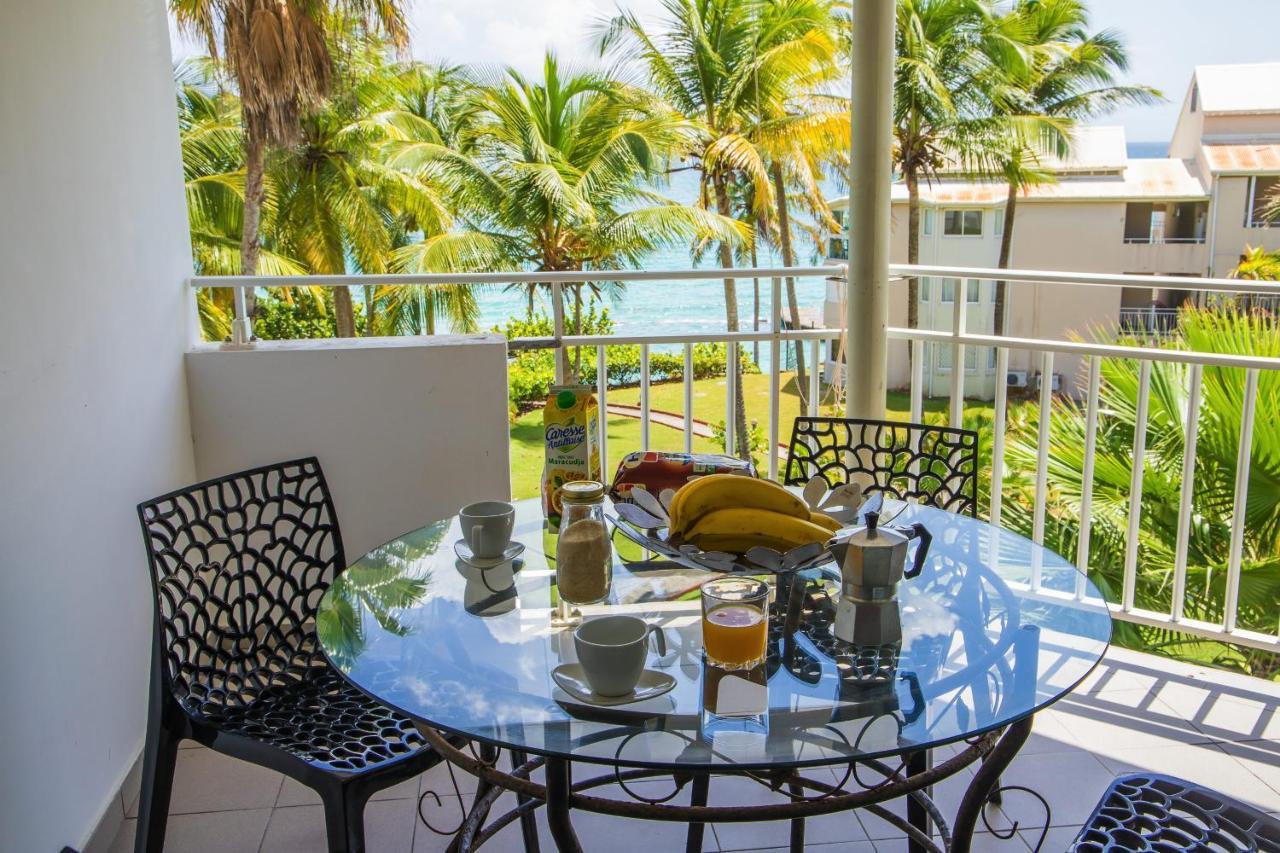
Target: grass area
point(708, 405)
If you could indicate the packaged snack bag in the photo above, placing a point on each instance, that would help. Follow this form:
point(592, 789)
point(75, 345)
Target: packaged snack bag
point(655, 470)
point(570, 424)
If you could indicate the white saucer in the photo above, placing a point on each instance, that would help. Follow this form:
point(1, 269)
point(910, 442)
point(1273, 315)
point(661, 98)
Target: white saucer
point(572, 680)
point(463, 550)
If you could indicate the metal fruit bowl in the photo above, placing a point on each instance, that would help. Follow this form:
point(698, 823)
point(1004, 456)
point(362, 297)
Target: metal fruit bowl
point(646, 523)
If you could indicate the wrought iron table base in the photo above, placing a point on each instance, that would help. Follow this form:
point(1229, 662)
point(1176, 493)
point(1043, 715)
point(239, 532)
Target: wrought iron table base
point(561, 795)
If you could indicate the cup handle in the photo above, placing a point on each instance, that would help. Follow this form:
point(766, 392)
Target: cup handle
point(473, 539)
point(660, 637)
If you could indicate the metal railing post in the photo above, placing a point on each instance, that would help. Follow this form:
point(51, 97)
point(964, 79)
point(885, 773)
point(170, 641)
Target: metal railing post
point(242, 324)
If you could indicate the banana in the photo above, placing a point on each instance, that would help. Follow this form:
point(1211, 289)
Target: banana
point(740, 544)
point(755, 527)
point(731, 491)
point(821, 518)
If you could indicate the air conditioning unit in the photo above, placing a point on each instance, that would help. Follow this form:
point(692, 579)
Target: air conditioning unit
point(1016, 379)
point(1056, 380)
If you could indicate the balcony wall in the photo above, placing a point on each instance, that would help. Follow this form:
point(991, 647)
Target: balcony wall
point(407, 429)
point(93, 407)
point(1165, 258)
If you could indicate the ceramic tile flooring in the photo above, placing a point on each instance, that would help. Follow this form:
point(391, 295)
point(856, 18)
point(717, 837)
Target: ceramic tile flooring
point(1135, 711)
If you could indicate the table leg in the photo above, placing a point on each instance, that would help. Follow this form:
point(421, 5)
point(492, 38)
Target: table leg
point(558, 789)
point(797, 824)
point(917, 815)
point(528, 820)
point(984, 781)
point(697, 797)
point(489, 755)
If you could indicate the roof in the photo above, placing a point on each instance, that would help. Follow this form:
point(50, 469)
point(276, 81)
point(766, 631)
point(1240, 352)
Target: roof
point(1143, 179)
point(1249, 158)
point(1253, 88)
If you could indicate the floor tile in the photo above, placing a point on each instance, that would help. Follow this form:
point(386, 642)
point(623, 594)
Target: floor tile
point(389, 828)
point(1057, 838)
point(1124, 720)
point(1069, 781)
point(1227, 717)
point(1260, 759)
point(983, 842)
point(838, 847)
point(207, 781)
point(210, 832)
point(1208, 765)
point(294, 793)
point(825, 829)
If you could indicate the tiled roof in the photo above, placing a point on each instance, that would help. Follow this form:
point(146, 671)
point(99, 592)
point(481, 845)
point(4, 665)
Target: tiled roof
point(1247, 157)
point(1156, 178)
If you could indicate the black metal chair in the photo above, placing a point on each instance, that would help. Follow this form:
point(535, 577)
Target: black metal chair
point(238, 565)
point(934, 465)
point(1149, 812)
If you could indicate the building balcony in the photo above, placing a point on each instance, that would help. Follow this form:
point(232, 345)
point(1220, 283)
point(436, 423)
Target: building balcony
point(1165, 256)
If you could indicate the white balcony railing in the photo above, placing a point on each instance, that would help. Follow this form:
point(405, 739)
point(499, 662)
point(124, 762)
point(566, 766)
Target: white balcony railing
point(958, 338)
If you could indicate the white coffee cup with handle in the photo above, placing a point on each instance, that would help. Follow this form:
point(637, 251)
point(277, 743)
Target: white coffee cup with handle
point(487, 527)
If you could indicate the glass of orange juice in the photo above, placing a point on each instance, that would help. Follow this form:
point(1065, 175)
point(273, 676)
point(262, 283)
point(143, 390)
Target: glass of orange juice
point(735, 622)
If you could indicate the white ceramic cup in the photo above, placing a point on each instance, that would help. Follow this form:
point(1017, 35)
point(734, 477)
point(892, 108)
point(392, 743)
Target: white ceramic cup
point(487, 526)
point(612, 649)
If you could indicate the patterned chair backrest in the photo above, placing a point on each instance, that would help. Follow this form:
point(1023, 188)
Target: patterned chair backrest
point(937, 466)
point(238, 565)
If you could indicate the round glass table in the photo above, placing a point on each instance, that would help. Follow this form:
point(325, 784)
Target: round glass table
point(994, 629)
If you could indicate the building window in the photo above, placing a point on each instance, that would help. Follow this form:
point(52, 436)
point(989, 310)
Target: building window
point(962, 223)
point(997, 227)
point(944, 357)
point(928, 222)
point(971, 360)
point(971, 292)
point(949, 289)
point(924, 288)
point(1263, 200)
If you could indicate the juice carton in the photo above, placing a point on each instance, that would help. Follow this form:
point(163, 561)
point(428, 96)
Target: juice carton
point(570, 422)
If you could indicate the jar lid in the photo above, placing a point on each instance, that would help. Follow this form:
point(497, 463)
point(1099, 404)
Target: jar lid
point(581, 491)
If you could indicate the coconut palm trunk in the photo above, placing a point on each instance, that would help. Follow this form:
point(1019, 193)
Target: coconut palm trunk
point(742, 438)
point(255, 192)
point(344, 312)
point(1006, 248)
point(913, 244)
point(788, 259)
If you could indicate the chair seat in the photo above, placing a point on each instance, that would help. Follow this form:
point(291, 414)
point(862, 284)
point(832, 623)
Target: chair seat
point(325, 722)
point(1145, 812)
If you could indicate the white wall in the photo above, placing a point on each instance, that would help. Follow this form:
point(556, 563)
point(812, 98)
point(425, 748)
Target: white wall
point(407, 429)
point(93, 407)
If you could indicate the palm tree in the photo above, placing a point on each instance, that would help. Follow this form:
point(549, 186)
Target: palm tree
point(734, 68)
point(213, 172)
point(1218, 330)
point(564, 164)
point(1070, 76)
point(1258, 264)
point(279, 60)
point(944, 84)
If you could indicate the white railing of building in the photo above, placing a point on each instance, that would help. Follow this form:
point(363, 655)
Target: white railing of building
point(958, 337)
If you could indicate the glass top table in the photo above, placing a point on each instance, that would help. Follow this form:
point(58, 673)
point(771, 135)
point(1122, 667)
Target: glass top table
point(994, 628)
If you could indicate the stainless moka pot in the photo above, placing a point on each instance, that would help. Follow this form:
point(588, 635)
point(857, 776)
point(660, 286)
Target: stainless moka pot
point(872, 560)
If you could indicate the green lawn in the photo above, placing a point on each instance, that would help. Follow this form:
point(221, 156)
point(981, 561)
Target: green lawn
point(708, 405)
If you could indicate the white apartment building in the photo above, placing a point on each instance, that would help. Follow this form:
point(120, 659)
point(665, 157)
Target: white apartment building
point(1189, 214)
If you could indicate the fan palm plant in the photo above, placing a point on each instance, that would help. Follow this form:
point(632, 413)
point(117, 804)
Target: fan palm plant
point(738, 69)
point(1223, 329)
point(1069, 75)
point(1258, 264)
point(565, 162)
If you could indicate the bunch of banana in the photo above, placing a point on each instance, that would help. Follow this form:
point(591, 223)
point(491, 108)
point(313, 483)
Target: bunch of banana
point(730, 512)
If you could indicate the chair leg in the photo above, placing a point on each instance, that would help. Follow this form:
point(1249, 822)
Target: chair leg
point(160, 756)
point(344, 818)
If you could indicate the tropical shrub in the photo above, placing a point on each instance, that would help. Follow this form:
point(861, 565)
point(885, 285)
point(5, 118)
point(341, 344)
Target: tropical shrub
point(530, 373)
point(1223, 329)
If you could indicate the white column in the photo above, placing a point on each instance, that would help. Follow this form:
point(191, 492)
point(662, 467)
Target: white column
point(871, 146)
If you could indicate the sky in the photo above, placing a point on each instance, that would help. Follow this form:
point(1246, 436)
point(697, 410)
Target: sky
point(1166, 38)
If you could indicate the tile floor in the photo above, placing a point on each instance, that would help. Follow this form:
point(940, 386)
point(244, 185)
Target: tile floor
point(1135, 712)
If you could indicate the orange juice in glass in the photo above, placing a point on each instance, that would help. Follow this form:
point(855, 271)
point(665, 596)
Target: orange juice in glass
point(735, 622)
